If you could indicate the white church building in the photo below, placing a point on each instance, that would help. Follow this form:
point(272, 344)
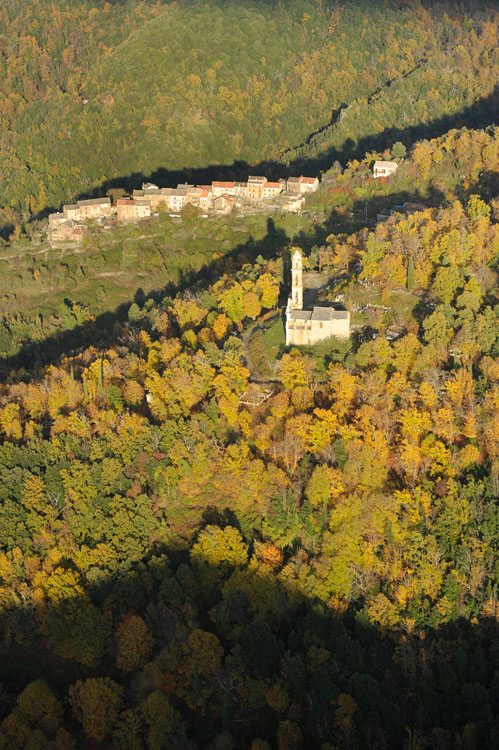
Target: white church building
point(310, 326)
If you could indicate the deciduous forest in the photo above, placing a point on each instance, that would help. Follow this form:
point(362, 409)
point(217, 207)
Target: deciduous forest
point(209, 540)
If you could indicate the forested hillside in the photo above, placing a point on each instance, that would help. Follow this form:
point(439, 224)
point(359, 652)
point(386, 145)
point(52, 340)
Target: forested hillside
point(194, 560)
point(91, 93)
point(209, 540)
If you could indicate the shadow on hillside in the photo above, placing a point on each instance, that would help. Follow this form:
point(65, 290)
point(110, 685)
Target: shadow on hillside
point(285, 662)
point(311, 157)
point(106, 329)
point(481, 114)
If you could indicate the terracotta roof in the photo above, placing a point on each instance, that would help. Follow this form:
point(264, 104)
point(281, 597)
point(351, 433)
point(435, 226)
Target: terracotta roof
point(272, 185)
point(126, 202)
point(222, 184)
point(308, 180)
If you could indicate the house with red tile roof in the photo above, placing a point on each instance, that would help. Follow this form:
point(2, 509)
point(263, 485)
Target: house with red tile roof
point(130, 209)
point(309, 184)
point(223, 204)
point(223, 188)
point(271, 189)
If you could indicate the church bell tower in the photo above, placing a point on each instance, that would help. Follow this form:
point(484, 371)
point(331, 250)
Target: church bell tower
point(297, 281)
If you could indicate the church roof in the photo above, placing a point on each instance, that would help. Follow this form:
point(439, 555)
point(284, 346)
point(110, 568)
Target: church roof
point(328, 313)
point(301, 314)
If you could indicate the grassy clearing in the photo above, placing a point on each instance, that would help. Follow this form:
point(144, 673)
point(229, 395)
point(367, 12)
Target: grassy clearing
point(273, 339)
point(259, 355)
point(109, 267)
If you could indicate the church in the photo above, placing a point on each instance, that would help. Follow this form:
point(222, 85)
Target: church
point(307, 327)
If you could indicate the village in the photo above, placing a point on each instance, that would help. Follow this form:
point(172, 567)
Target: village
point(219, 198)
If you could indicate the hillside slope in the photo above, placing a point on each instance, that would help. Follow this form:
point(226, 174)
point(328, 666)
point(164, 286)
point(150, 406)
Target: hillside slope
point(195, 84)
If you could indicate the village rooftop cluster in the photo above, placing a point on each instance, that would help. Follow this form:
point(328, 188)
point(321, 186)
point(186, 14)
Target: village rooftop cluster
point(221, 197)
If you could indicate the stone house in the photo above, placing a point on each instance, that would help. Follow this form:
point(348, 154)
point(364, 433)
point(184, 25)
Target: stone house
point(241, 189)
point(309, 184)
point(56, 219)
point(205, 199)
point(67, 231)
point(413, 208)
point(179, 198)
point(408, 209)
point(384, 168)
point(95, 207)
point(223, 204)
point(195, 196)
point(271, 189)
point(155, 195)
point(255, 187)
point(223, 188)
point(130, 209)
point(306, 327)
point(71, 212)
point(293, 185)
point(293, 203)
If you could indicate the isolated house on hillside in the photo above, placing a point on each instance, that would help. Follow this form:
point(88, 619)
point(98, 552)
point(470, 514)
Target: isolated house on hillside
point(413, 208)
point(408, 209)
point(384, 168)
point(306, 327)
